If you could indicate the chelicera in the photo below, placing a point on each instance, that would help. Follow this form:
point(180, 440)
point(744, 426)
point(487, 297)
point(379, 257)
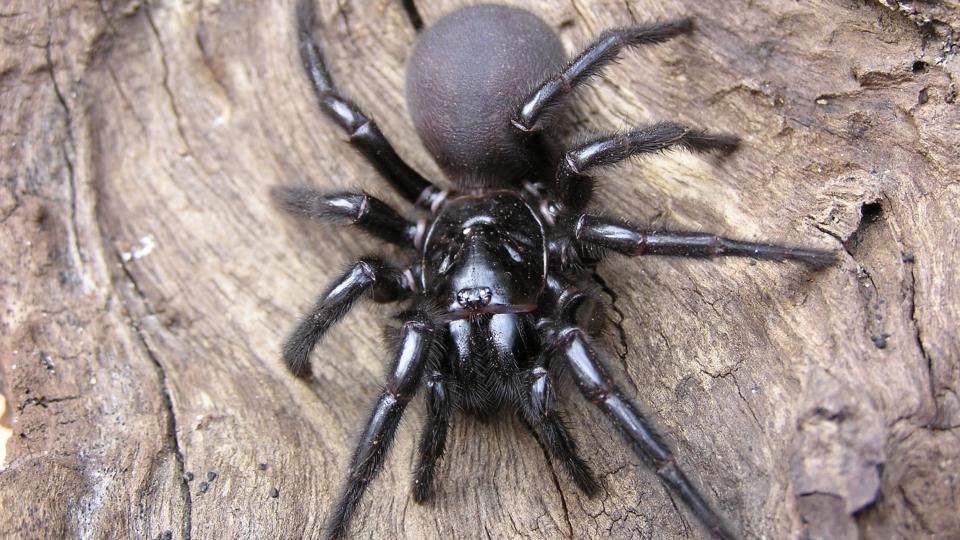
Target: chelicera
point(499, 301)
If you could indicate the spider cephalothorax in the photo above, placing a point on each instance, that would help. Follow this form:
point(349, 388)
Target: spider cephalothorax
point(499, 296)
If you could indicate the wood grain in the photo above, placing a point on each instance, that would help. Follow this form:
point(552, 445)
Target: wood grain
point(148, 282)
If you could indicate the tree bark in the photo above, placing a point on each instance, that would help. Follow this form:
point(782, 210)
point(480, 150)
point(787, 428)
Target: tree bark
point(148, 282)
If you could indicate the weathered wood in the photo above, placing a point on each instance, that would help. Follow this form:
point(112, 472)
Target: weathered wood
point(148, 282)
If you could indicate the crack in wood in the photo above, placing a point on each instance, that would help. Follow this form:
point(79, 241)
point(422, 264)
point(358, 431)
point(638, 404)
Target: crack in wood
point(43, 402)
point(172, 429)
point(68, 147)
point(556, 484)
point(165, 81)
point(621, 332)
point(918, 339)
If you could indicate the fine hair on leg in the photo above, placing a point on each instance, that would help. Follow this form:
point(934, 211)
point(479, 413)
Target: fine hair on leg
point(368, 275)
point(616, 235)
point(415, 348)
point(370, 214)
point(596, 56)
point(363, 133)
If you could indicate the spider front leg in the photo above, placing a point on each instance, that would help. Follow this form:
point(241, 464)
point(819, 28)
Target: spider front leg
point(433, 440)
point(571, 345)
point(415, 347)
point(369, 274)
point(363, 133)
point(627, 240)
point(601, 53)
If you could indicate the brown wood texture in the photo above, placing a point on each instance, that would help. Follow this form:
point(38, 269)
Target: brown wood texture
point(148, 282)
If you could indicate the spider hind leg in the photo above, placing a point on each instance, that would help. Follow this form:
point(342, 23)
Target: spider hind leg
point(596, 56)
point(363, 133)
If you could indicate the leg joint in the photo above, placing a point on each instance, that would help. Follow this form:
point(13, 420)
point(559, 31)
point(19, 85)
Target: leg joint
point(398, 393)
point(369, 266)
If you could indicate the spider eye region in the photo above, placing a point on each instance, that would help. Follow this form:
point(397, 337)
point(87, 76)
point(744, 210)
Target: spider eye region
point(485, 255)
point(474, 297)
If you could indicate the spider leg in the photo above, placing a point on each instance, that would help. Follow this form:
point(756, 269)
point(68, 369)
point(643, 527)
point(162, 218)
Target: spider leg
point(609, 149)
point(363, 133)
point(571, 344)
point(573, 183)
point(510, 339)
point(540, 412)
point(368, 274)
point(413, 14)
point(434, 437)
point(625, 239)
point(416, 344)
point(369, 213)
point(599, 54)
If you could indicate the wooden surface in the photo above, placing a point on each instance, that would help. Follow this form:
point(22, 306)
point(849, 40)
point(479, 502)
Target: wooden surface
point(147, 281)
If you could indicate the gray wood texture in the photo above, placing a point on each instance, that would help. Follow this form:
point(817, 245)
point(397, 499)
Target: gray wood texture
point(147, 281)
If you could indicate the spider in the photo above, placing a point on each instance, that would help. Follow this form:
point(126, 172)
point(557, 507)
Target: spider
point(501, 300)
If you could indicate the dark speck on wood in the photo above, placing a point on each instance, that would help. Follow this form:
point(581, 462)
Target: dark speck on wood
point(880, 341)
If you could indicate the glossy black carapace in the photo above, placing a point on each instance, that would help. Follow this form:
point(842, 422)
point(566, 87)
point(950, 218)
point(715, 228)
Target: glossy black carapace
point(499, 282)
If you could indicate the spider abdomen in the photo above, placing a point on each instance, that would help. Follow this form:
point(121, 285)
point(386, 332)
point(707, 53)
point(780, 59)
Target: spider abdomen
point(465, 79)
point(485, 254)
